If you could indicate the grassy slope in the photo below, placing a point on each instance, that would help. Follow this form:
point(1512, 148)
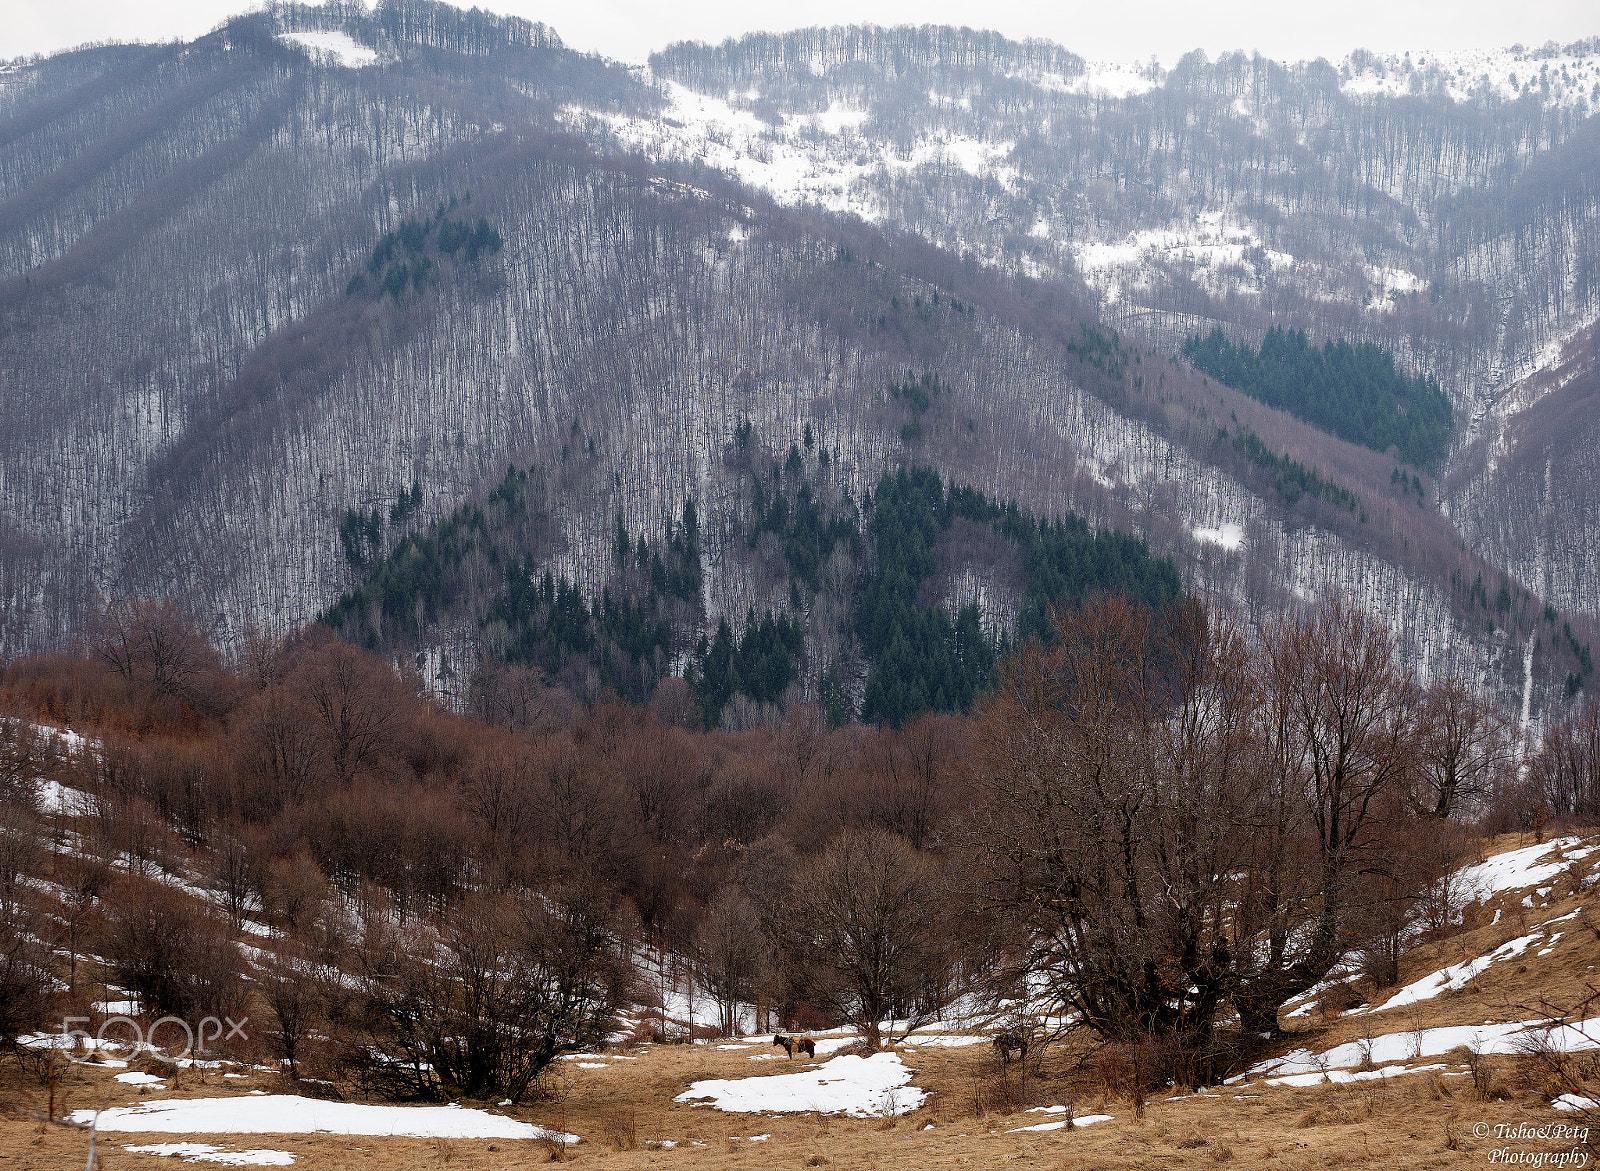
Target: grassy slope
point(624, 1111)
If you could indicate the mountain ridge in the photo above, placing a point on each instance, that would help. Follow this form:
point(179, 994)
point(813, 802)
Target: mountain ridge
point(245, 403)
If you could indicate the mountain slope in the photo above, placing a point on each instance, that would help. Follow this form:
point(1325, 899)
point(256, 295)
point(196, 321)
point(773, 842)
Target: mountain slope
point(199, 214)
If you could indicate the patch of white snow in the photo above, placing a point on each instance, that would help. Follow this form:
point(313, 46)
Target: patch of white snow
point(861, 1087)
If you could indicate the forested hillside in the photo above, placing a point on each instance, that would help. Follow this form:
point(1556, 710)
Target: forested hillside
point(1442, 206)
point(343, 267)
point(483, 574)
point(1354, 392)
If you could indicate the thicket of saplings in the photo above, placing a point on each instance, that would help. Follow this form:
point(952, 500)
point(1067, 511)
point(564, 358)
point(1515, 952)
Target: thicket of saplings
point(1167, 825)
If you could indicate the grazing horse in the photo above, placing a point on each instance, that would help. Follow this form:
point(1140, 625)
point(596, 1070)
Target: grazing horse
point(806, 1045)
point(787, 1044)
point(1007, 1043)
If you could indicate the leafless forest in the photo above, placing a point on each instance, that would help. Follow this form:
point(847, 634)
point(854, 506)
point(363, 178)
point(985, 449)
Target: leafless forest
point(197, 396)
point(493, 541)
point(448, 902)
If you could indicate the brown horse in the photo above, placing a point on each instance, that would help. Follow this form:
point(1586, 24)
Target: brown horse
point(806, 1045)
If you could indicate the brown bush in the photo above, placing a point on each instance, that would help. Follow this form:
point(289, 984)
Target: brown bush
point(171, 952)
point(621, 1129)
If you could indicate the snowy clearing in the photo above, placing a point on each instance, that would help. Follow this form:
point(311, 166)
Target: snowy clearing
point(290, 1114)
point(333, 48)
point(1229, 536)
point(862, 1087)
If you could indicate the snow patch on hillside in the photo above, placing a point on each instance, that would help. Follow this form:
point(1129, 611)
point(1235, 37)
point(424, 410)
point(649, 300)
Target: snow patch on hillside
point(1229, 536)
point(332, 48)
point(290, 1114)
point(1517, 869)
point(1060, 1123)
point(1465, 75)
point(817, 158)
point(1111, 79)
point(1217, 250)
point(1457, 976)
point(206, 1153)
point(1302, 1067)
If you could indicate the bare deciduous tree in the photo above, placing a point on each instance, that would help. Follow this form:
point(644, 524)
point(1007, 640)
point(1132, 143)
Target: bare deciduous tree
point(170, 952)
point(26, 983)
point(731, 954)
point(354, 701)
point(1173, 822)
point(487, 1002)
point(1465, 746)
point(26, 755)
point(1566, 769)
point(866, 930)
point(1342, 729)
point(153, 642)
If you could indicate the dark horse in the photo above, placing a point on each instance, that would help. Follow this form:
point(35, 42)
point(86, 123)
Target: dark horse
point(787, 1044)
point(1005, 1044)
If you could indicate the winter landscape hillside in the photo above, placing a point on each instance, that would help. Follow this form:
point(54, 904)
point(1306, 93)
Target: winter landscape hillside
point(670, 265)
point(856, 596)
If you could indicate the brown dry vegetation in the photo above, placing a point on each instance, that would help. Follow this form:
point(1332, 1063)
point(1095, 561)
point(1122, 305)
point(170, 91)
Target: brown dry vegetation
point(625, 1112)
point(1407, 1122)
point(323, 781)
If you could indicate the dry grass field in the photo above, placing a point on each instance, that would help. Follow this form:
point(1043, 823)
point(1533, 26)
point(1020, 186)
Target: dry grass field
point(621, 1104)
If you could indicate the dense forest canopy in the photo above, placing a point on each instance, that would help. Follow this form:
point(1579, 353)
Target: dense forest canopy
point(1355, 392)
point(484, 568)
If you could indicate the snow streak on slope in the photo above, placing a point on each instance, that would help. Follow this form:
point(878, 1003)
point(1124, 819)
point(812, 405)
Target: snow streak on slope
point(1458, 976)
point(820, 158)
point(1530, 866)
point(1305, 1068)
point(333, 48)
